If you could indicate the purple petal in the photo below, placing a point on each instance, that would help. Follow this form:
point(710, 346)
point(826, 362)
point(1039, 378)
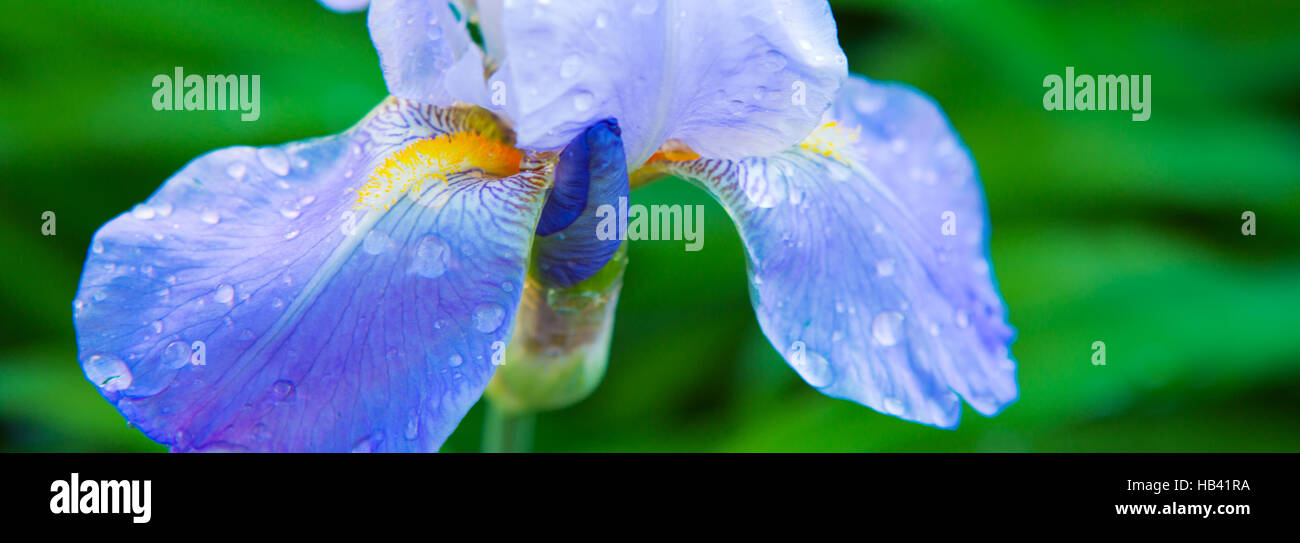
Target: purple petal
point(731, 78)
point(855, 277)
point(594, 166)
point(323, 328)
point(426, 52)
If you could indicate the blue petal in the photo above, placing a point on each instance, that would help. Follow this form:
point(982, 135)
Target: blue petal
point(592, 169)
point(426, 52)
point(731, 78)
point(323, 328)
point(854, 279)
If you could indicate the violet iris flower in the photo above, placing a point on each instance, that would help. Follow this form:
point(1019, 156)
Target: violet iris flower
point(359, 291)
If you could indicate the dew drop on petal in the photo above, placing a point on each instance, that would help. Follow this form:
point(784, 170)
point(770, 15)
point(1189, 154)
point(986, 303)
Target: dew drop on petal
point(773, 61)
point(812, 367)
point(274, 159)
point(142, 212)
point(376, 242)
point(176, 354)
point(455, 360)
point(225, 293)
point(887, 327)
point(583, 101)
point(570, 67)
point(290, 210)
point(430, 258)
point(645, 7)
point(209, 216)
point(412, 424)
point(885, 268)
point(369, 443)
point(488, 317)
point(108, 372)
point(283, 390)
point(237, 170)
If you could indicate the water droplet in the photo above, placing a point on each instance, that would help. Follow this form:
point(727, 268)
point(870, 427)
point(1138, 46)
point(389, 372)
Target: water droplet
point(274, 159)
point(435, 30)
point(376, 242)
point(868, 103)
point(142, 212)
point(290, 234)
point(812, 367)
point(209, 216)
point(645, 7)
point(963, 318)
point(488, 317)
point(583, 100)
point(176, 355)
point(283, 390)
point(370, 443)
point(225, 294)
point(97, 247)
point(893, 406)
point(773, 61)
point(571, 66)
point(412, 424)
point(430, 258)
point(290, 210)
point(164, 209)
point(885, 268)
point(157, 327)
point(887, 328)
point(237, 170)
point(507, 286)
point(764, 191)
point(108, 372)
point(455, 360)
point(602, 19)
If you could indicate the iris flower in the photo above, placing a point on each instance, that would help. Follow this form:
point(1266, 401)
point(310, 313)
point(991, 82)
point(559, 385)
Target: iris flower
point(358, 292)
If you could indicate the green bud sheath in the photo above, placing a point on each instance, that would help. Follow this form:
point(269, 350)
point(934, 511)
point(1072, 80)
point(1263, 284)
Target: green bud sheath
point(560, 346)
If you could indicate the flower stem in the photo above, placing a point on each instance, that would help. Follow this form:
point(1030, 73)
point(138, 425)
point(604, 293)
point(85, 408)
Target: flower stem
point(507, 432)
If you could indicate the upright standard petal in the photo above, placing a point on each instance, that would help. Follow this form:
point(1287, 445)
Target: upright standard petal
point(249, 305)
point(731, 78)
point(426, 52)
point(868, 257)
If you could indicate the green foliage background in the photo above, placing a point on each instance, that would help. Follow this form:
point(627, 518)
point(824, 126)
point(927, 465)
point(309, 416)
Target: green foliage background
point(1104, 228)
